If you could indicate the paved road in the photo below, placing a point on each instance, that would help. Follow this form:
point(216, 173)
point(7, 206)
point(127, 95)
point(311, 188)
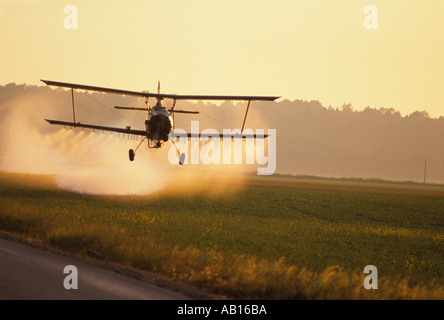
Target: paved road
point(32, 273)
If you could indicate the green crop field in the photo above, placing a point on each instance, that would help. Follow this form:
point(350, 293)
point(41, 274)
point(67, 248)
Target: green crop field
point(272, 238)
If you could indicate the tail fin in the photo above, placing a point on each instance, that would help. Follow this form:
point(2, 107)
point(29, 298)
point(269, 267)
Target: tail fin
point(158, 86)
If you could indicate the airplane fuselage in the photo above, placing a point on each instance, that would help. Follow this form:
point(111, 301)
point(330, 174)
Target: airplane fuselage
point(158, 126)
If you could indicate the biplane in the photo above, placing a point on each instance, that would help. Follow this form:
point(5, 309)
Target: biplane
point(159, 123)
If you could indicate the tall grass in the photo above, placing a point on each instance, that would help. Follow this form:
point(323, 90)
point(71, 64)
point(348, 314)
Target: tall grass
point(238, 276)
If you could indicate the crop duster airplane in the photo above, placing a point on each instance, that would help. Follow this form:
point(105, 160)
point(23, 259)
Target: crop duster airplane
point(159, 123)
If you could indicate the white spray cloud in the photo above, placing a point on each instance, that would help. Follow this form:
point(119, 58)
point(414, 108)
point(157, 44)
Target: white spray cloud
point(96, 162)
point(86, 162)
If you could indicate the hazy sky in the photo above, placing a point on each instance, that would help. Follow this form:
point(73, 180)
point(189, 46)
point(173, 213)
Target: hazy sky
point(306, 49)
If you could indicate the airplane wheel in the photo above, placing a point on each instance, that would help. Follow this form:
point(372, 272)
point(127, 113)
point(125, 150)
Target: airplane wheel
point(182, 159)
point(131, 154)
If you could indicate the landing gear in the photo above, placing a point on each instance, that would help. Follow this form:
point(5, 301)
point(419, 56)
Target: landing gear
point(131, 154)
point(181, 155)
point(182, 158)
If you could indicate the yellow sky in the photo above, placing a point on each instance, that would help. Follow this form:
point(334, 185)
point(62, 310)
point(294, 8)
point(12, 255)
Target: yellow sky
point(307, 49)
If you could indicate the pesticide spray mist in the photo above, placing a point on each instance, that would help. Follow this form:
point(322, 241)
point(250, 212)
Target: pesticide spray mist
point(97, 163)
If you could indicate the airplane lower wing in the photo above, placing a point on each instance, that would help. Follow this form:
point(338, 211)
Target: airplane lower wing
point(143, 133)
point(127, 130)
point(219, 135)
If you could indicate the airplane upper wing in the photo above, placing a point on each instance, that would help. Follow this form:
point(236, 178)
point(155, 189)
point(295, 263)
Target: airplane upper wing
point(127, 130)
point(158, 95)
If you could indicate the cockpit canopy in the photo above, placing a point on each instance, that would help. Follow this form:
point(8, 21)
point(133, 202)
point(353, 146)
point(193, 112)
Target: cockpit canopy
point(159, 103)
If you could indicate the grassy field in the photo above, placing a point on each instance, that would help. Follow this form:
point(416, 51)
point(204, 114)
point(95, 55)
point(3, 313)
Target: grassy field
point(275, 238)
